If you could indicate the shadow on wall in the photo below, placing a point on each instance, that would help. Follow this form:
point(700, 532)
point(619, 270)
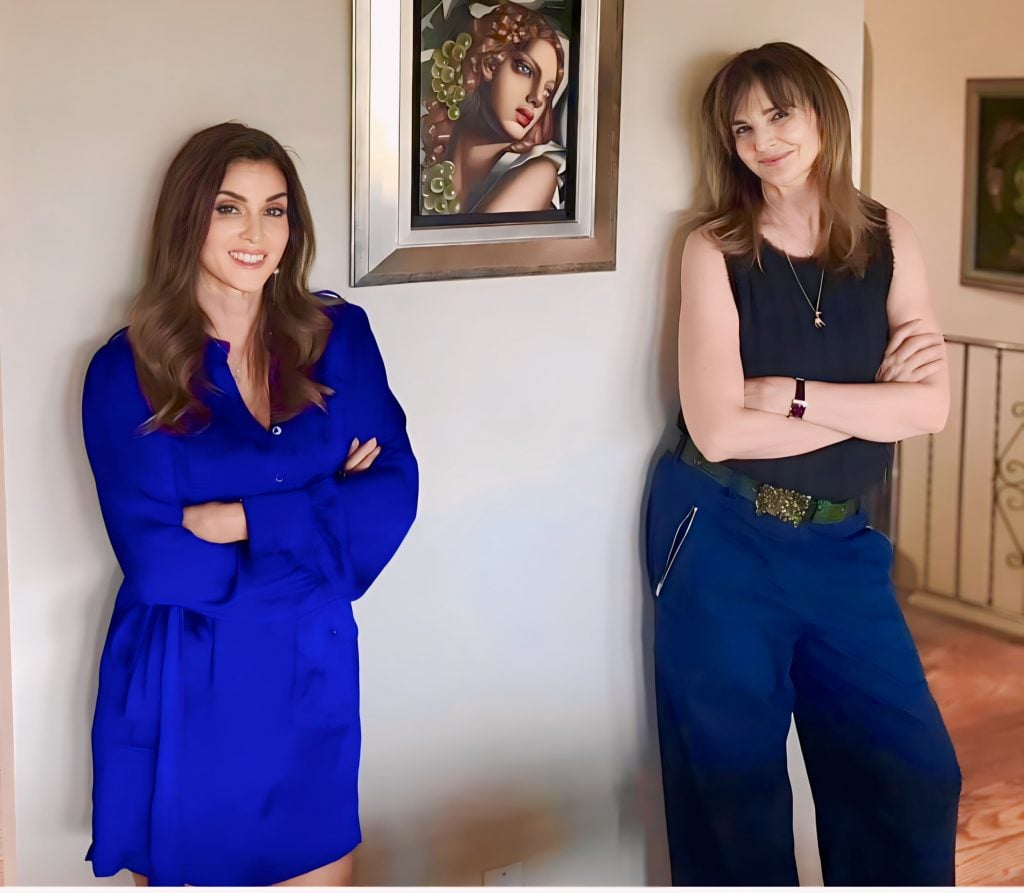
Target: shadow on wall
point(100, 601)
point(641, 798)
point(468, 834)
point(905, 572)
point(691, 93)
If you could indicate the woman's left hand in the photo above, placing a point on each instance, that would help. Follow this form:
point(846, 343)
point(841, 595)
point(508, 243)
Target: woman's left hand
point(361, 456)
point(770, 393)
point(216, 522)
point(913, 354)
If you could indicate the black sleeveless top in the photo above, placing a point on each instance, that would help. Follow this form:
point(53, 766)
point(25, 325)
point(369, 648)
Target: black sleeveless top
point(778, 337)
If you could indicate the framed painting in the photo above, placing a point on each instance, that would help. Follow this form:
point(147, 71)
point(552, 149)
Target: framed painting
point(484, 138)
point(993, 230)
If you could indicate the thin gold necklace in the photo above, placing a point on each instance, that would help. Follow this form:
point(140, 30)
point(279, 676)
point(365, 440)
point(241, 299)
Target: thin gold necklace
point(235, 371)
point(819, 323)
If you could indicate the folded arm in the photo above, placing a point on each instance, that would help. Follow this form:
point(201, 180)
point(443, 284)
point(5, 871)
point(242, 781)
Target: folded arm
point(348, 524)
point(162, 562)
point(711, 383)
point(911, 393)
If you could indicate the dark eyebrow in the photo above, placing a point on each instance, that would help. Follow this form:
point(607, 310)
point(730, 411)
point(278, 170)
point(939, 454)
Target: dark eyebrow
point(537, 70)
point(550, 82)
point(242, 198)
point(767, 111)
point(531, 60)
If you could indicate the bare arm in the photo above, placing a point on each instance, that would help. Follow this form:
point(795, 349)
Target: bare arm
point(711, 385)
point(884, 410)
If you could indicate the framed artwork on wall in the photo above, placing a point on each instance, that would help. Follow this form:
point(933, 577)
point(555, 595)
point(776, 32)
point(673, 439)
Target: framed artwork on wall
point(993, 229)
point(484, 138)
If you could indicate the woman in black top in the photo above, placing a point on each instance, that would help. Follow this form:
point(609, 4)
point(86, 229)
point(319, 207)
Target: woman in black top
point(807, 346)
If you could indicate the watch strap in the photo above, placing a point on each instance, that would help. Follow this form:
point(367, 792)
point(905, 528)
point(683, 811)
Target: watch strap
point(798, 406)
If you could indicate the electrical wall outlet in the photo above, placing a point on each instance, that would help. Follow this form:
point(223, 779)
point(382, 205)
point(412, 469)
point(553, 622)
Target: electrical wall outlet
point(506, 876)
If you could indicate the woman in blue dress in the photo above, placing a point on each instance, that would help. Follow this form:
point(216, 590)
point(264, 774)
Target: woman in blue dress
point(255, 476)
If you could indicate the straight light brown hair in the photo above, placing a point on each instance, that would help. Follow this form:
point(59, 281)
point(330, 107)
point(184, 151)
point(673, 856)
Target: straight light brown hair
point(734, 200)
point(167, 327)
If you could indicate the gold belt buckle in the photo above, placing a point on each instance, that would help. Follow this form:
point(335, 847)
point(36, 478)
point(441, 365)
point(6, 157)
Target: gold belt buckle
point(786, 505)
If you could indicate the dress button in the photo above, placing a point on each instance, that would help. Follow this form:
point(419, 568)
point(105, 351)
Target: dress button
point(334, 632)
point(276, 430)
point(279, 478)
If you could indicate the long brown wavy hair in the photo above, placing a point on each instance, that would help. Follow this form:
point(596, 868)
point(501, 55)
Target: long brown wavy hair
point(166, 325)
point(508, 27)
point(734, 200)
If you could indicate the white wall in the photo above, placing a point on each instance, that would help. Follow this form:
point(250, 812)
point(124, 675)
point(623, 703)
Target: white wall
point(505, 671)
point(7, 829)
point(921, 61)
point(921, 55)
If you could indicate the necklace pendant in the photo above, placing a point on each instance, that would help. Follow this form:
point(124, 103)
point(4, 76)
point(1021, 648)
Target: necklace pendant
point(819, 323)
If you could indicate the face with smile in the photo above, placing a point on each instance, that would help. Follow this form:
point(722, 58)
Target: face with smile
point(522, 87)
point(780, 145)
point(248, 228)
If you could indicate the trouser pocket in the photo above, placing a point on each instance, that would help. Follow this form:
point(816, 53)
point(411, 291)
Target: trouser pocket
point(675, 495)
point(678, 538)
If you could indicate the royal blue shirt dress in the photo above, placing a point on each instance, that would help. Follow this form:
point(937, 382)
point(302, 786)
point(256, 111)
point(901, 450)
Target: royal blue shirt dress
point(226, 734)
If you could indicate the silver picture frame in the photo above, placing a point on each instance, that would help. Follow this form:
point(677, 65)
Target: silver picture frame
point(386, 249)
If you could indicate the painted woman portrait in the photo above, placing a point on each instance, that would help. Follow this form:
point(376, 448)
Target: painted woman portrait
point(1001, 210)
point(493, 126)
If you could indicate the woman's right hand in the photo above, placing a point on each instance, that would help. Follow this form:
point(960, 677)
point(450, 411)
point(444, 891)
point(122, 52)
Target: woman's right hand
point(913, 354)
point(361, 455)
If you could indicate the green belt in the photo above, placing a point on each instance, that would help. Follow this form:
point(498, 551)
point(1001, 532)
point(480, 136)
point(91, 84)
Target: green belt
point(791, 506)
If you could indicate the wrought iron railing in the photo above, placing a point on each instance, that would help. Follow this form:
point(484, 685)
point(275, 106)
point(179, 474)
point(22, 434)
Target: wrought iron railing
point(961, 517)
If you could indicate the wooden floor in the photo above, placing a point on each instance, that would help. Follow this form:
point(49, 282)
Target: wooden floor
point(977, 679)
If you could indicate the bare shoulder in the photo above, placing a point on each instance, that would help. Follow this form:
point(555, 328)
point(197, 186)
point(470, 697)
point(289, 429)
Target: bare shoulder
point(527, 187)
point(539, 168)
point(902, 234)
point(906, 247)
point(707, 309)
point(701, 254)
point(700, 239)
point(540, 174)
point(909, 295)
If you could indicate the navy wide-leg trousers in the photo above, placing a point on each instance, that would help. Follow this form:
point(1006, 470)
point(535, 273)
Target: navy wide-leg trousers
point(757, 621)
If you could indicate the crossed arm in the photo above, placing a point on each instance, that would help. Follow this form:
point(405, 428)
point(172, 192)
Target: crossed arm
point(732, 418)
point(225, 522)
point(341, 529)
